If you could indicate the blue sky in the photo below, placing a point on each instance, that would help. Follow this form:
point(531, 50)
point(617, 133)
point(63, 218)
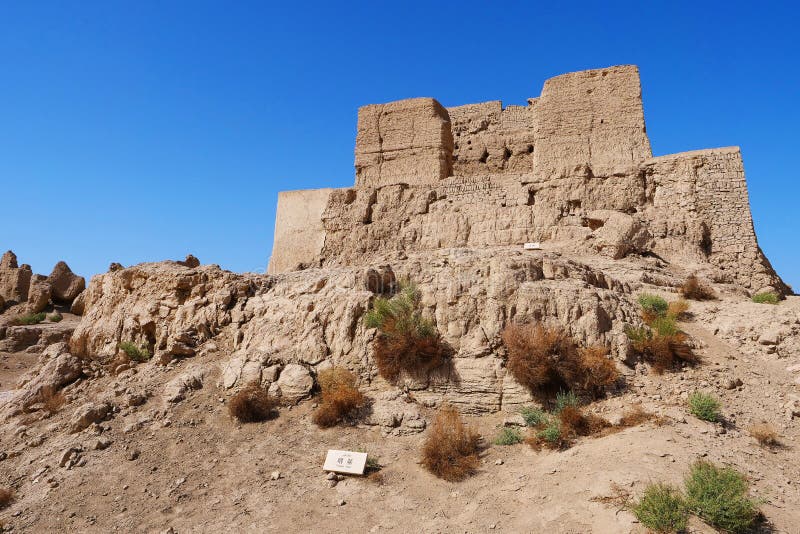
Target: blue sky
point(142, 131)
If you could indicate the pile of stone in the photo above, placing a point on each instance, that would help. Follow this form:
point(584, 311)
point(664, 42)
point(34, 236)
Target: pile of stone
point(33, 293)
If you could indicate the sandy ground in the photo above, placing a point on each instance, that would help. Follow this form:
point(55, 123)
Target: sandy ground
point(190, 468)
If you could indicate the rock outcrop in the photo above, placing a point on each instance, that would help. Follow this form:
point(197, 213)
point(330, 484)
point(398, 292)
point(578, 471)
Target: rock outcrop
point(65, 284)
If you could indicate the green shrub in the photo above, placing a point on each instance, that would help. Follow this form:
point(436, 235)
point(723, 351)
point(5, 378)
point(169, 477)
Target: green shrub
point(704, 406)
point(406, 340)
point(135, 353)
point(638, 334)
point(564, 399)
point(551, 433)
point(653, 305)
point(662, 509)
point(32, 318)
point(533, 416)
point(719, 496)
point(55, 317)
point(508, 436)
point(665, 326)
point(768, 297)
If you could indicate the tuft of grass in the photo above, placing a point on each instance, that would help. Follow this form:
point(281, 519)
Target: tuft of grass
point(765, 434)
point(546, 361)
point(719, 496)
point(508, 436)
point(652, 306)
point(533, 416)
point(550, 436)
point(662, 509)
point(704, 406)
point(252, 404)
point(134, 353)
point(407, 341)
point(6, 497)
point(767, 297)
point(694, 289)
point(55, 317)
point(450, 450)
point(565, 399)
point(636, 415)
point(29, 319)
point(678, 309)
point(340, 398)
point(664, 326)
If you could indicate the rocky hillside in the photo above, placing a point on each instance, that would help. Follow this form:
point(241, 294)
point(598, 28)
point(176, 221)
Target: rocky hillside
point(115, 404)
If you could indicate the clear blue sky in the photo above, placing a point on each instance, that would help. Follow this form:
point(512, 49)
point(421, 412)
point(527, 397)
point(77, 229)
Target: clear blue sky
point(141, 131)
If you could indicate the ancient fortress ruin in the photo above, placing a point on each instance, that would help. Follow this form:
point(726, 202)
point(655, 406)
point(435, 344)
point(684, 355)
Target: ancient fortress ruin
point(573, 170)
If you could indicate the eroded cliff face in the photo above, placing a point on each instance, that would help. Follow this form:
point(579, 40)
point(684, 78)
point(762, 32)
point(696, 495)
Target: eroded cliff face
point(300, 322)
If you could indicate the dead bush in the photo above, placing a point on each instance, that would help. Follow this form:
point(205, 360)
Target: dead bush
point(450, 450)
point(340, 399)
point(765, 434)
point(406, 341)
point(6, 497)
point(546, 361)
point(574, 422)
point(694, 289)
point(252, 404)
point(679, 309)
point(662, 351)
point(636, 415)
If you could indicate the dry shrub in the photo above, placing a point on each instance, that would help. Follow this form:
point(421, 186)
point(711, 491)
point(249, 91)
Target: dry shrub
point(576, 423)
point(765, 434)
point(252, 404)
point(451, 448)
point(678, 309)
point(397, 351)
point(694, 289)
point(546, 361)
point(599, 370)
point(636, 415)
point(665, 352)
point(406, 341)
point(340, 398)
point(6, 496)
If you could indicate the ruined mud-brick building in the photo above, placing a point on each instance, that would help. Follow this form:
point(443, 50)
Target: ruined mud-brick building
point(573, 170)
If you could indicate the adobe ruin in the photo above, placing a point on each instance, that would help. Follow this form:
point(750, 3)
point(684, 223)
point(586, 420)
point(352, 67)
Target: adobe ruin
point(573, 169)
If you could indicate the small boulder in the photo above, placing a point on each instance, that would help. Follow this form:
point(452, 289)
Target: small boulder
point(176, 389)
point(65, 284)
point(79, 304)
point(190, 262)
point(114, 266)
point(88, 414)
point(770, 337)
point(294, 382)
point(381, 281)
point(38, 294)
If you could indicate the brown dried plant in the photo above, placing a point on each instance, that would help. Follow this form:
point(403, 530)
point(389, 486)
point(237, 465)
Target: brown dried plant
point(451, 449)
point(340, 399)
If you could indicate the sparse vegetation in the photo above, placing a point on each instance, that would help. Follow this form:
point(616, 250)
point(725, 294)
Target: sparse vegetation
point(134, 353)
point(6, 497)
point(652, 306)
point(533, 416)
point(508, 436)
point(662, 509)
point(29, 319)
point(565, 399)
point(549, 435)
point(557, 430)
point(719, 496)
point(407, 341)
point(450, 450)
point(704, 406)
point(767, 297)
point(340, 399)
point(547, 361)
point(661, 343)
point(55, 317)
point(252, 404)
point(765, 434)
point(636, 415)
point(694, 289)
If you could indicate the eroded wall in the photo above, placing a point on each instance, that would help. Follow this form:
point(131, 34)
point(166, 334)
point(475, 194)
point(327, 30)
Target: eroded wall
point(408, 141)
point(299, 233)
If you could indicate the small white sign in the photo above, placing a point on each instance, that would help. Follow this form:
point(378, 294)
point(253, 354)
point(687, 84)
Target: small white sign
point(532, 246)
point(345, 462)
